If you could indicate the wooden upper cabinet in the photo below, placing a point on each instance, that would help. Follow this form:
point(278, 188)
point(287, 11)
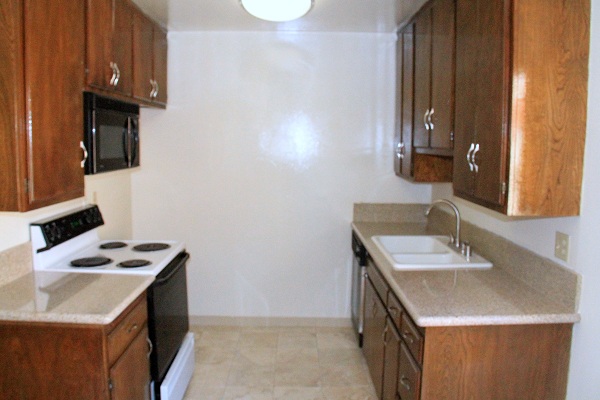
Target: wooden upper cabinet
point(424, 95)
point(149, 61)
point(434, 77)
point(521, 101)
point(41, 102)
point(109, 46)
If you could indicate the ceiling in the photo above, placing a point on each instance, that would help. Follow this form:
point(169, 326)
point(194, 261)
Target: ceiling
point(376, 16)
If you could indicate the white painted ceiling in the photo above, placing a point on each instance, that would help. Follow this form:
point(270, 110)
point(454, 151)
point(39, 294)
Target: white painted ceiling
point(326, 16)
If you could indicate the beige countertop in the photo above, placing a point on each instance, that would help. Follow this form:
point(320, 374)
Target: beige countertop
point(82, 298)
point(460, 297)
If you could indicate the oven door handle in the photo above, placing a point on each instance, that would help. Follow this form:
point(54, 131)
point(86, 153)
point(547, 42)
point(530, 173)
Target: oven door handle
point(164, 280)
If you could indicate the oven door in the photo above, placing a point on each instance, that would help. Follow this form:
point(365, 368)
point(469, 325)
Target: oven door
point(168, 320)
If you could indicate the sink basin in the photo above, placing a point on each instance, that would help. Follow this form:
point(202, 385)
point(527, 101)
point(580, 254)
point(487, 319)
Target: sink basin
point(415, 253)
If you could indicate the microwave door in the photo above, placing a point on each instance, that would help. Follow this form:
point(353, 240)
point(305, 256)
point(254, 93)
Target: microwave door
point(111, 141)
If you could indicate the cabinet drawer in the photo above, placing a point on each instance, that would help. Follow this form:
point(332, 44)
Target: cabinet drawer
point(409, 376)
point(395, 310)
point(412, 337)
point(380, 285)
point(126, 331)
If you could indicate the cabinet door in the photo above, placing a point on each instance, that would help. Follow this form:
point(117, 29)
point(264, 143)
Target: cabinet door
point(122, 41)
point(481, 120)
point(422, 76)
point(373, 332)
point(109, 42)
point(130, 375)
point(99, 28)
point(442, 74)
point(390, 364)
point(160, 64)
point(54, 52)
point(142, 56)
point(408, 68)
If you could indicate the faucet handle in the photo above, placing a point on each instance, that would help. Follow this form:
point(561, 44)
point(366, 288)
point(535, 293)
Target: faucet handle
point(465, 249)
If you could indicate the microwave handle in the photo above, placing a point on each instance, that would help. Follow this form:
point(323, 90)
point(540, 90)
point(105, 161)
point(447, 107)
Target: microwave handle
point(127, 143)
point(135, 138)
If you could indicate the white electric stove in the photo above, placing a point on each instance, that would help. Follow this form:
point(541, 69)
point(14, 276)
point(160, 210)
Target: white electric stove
point(69, 242)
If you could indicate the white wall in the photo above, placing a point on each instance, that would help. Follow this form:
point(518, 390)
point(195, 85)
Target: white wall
point(111, 191)
point(268, 140)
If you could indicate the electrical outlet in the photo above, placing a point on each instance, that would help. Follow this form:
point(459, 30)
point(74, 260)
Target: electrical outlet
point(561, 246)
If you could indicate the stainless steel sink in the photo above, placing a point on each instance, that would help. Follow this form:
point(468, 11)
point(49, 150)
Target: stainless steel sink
point(415, 253)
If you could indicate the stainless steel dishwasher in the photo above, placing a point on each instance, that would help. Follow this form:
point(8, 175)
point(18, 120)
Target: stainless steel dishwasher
point(359, 270)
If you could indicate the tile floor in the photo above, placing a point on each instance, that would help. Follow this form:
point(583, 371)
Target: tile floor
point(292, 363)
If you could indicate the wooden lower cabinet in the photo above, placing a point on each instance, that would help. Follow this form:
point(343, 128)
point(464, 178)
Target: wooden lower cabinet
point(373, 340)
point(77, 361)
point(511, 362)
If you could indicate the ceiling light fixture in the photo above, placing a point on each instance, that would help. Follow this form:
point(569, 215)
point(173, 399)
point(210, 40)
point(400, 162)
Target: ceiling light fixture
point(277, 10)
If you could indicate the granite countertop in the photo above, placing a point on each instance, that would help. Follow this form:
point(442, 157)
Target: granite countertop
point(461, 297)
point(82, 298)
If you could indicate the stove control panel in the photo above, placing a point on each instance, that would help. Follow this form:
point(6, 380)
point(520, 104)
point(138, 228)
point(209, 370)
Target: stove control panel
point(60, 228)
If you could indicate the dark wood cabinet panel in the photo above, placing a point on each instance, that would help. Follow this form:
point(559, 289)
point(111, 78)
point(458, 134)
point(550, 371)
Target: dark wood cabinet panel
point(480, 100)
point(149, 61)
point(129, 376)
point(373, 344)
point(109, 63)
point(425, 95)
point(56, 361)
point(521, 93)
point(409, 362)
point(42, 101)
point(390, 362)
point(160, 64)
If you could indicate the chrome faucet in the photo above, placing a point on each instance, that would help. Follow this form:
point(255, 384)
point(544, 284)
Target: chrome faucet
point(454, 240)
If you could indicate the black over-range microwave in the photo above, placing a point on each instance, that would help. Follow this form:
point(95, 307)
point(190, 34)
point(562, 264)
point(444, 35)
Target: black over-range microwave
point(111, 135)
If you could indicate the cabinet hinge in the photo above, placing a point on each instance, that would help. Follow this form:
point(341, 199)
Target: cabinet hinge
point(503, 188)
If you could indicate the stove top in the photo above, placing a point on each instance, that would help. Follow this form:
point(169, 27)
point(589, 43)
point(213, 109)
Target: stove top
point(69, 243)
point(135, 262)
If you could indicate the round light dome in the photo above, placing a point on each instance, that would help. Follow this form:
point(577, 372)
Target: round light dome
point(277, 10)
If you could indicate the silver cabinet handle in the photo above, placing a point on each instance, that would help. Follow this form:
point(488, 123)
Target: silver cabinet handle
point(157, 88)
point(150, 346)
point(85, 153)
point(113, 78)
point(406, 335)
point(400, 150)
point(153, 88)
point(404, 381)
point(469, 156)
point(426, 120)
point(475, 151)
point(118, 74)
point(431, 126)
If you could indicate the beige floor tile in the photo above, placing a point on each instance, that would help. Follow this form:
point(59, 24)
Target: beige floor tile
point(297, 374)
point(290, 363)
point(248, 393)
point(297, 393)
point(297, 340)
point(251, 376)
point(341, 339)
point(258, 339)
point(201, 392)
point(297, 355)
point(349, 393)
point(344, 375)
point(341, 356)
